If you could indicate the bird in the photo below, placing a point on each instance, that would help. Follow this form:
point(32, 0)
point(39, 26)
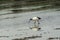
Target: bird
point(35, 19)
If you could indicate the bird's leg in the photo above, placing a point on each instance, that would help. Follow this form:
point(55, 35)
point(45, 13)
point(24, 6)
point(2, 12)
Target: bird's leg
point(38, 23)
point(34, 23)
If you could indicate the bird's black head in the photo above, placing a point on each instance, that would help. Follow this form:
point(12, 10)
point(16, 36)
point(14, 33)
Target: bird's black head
point(38, 17)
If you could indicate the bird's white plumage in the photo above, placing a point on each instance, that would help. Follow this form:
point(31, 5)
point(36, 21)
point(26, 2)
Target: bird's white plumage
point(36, 23)
point(35, 18)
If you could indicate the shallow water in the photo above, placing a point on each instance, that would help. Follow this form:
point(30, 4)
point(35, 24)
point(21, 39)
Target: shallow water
point(14, 26)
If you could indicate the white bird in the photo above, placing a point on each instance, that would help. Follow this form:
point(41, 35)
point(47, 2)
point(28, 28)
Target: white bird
point(35, 19)
point(36, 23)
